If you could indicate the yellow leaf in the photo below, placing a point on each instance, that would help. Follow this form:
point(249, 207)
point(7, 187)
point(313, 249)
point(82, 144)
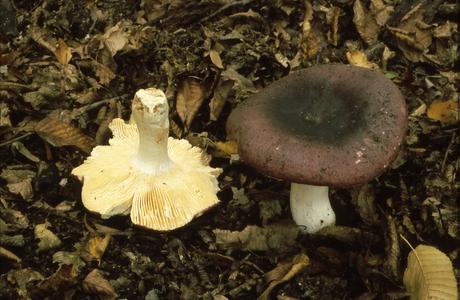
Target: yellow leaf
point(444, 111)
point(95, 247)
point(229, 148)
point(429, 275)
point(359, 59)
point(63, 52)
point(215, 58)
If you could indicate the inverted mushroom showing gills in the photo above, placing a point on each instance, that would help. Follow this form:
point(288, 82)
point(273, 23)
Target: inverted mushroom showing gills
point(162, 182)
point(329, 125)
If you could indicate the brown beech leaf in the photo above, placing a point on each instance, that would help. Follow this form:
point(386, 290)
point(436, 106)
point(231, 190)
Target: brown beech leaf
point(63, 52)
point(58, 134)
point(190, 96)
point(96, 284)
point(429, 275)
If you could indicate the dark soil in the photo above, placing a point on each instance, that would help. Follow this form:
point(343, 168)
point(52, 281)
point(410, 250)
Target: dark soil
point(56, 103)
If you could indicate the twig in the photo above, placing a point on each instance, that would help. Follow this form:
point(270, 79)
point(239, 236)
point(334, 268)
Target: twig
point(7, 85)
point(225, 7)
point(446, 154)
point(16, 139)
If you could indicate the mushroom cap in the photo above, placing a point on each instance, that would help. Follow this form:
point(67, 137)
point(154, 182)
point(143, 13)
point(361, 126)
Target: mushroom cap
point(113, 185)
point(334, 125)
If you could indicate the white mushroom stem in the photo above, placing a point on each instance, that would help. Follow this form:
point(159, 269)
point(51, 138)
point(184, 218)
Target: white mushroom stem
point(310, 207)
point(150, 111)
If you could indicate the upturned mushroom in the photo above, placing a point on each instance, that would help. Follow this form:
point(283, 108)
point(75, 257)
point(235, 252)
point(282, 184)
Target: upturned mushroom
point(162, 182)
point(325, 126)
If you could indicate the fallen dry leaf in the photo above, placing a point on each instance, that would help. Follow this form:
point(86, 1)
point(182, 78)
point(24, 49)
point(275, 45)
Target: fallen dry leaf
point(229, 147)
point(4, 115)
point(444, 111)
point(190, 96)
point(19, 181)
point(95, 284)
point(369, 22)
point(63, 53)
point(359, 59)
point(48, 240)
point(219, 98)
point(283, 273)
point(58, 134)
point(413, 35)
point(255, 238)
point(95, 247)
point(429, 275)
point(54, 285)
point(215, 58)
point(332, 16)
point(5, 254)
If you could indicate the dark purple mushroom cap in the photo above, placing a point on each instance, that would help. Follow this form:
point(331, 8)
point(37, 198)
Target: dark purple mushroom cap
point(334, 125)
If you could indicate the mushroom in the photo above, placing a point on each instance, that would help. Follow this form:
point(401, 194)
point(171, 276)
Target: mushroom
point(324, 126)
point(162, 182)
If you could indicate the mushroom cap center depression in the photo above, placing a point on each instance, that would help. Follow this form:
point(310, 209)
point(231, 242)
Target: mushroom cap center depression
point(322, 113)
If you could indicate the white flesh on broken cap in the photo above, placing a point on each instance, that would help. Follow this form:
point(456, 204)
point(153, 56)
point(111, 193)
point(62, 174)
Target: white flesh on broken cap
point(310, 207)
point(161, 181)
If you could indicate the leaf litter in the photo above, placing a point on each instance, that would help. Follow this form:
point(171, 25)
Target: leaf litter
point(67, 69)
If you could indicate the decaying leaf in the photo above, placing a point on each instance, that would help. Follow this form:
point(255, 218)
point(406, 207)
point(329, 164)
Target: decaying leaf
point(348, 234)
point(48, 239)
point(444, 111)
point(364, 199)
point(19, 181)
point(95, 247)
point(429, 275)
point(332, 16)
point(219, 98)
point(283, 273)
point(255, 238)
point(24, 278)
point(4, 115)
point(359, 59)
point(62, 279)
point(413, 34)
point(58, 134)
point(369, 22)
point(190, 96)
point(63, 53)
point(96, 284)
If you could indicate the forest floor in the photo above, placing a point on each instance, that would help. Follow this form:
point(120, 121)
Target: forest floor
point(67, 68)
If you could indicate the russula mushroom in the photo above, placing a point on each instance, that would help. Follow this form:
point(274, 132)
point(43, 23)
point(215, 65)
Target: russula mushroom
point(325, 126)
point(162, 182)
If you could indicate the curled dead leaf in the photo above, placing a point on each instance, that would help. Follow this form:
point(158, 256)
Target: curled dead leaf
point(95, 247)
point(359, 59)
point(283, 273)
point(63, 53)
point(190, 96)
